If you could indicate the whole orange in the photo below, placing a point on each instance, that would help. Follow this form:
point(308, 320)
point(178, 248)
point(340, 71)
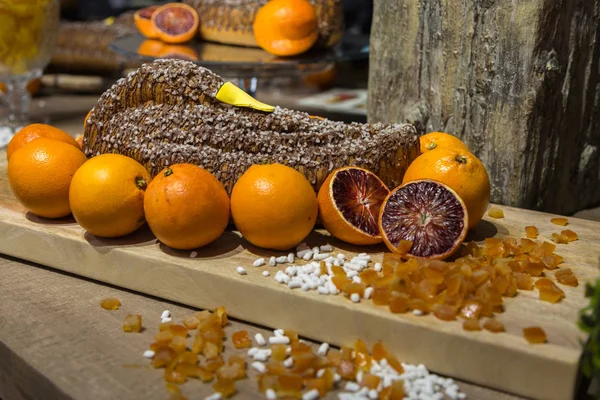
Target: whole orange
point(286, 27)
point(35, 131)
point(40, 173)
point(186, 207)
point(460, 170)
point(273, 206)
point(434, 140)
point(107, 195)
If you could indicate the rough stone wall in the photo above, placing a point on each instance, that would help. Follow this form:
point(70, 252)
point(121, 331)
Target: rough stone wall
point(517, 80)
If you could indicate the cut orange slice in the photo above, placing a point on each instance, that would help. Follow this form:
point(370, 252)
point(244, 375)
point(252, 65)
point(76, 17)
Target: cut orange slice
point(349, 204)
point(143, 21)
point(175, 23)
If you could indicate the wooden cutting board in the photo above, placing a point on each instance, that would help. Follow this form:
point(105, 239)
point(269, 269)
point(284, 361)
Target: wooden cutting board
point(206, 278)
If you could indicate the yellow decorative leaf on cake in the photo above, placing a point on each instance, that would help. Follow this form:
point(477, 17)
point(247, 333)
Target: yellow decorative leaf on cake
point(233, 95)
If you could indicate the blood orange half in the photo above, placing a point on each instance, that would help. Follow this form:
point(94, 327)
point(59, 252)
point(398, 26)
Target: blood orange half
point(143, 21)
point(349, 203)
point(175, 23)
point(426, 213)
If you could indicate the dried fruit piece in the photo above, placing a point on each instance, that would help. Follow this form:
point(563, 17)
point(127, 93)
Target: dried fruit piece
point(404, 246)
point(212, 364)
point(381, 295)
point(428, 214)
point(398, 302)
point(179, 344)
point(444, 312)
point(471, 325)
point(316, 383)
point(567, 279)
point(132, 323)
point(191, 322)
point(560, 238)
point(293, 335)
point(494, 326)
point(163, 356)
point(226, 387)
point(570, 235)
point(173, 376)
point(198, 344)
point(370, 381)
point(524, 281)
point(165, 326)
point(163, 337)
point(560, 221)
point(495, 212)
point(241, 340)
point(188, 357)
point(211, 350)
point(110, 303)
point(179, 330)
point(544, 283)
point(535, 334)
point(349, 203)
point(397, 392)
point(531, 232)
point(347, 370)
point(471, 309)
point(290, 381)
point(552, 295)
point(278, 352)
point(221, 315)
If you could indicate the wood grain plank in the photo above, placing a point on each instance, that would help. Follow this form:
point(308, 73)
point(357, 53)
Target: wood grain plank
point(57, 343)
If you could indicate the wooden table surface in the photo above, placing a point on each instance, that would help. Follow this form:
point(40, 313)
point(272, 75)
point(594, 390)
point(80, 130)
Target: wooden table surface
point(56, 342)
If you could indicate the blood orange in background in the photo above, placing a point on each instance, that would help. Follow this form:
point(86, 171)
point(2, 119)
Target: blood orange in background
point(427, 213)
point(143, 21)
point(349, 203)
point(175, 23)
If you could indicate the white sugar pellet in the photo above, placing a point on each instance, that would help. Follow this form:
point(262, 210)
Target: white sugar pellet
point(149, 354)
point(260, 339)
point(259, 263)
point(241, 270)
point(368, 292)
point(356, 279)
point(377, 267)
point(281, 260)
point(279, 332)
point(337, 263)
point(326, 248)
point(323, 349)
point(291, 271)
point(290, 258)
point(321, 256)
point(312, 394)
point(355, 297)
point(387, 381)
point(259, 367)
point(279, 340)
point(261, 355)
point(308, 256)
point(214, 396)
point(165, 314)
point(323, 290)
point(418, 313)
point(337, 377)
point(302, 253)
point(315, 250)
point(253, 350)
point(341, 256)
point(270, 394)
point(295, 283)
point(352, 387)
point(373, 395)
point(193, 254)
point(272, 261)
point(305, 287)
point(165, 320)
point(364, 255)
point(302, 246)
point(288, 362)
point(359, 376)
point(351, 274)
point(320, 373)
point(266, 273)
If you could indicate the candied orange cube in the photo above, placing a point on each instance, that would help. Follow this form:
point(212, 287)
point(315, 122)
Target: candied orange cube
point(480, 276)
point(560, 238)
point(398, 302)
point(381, 295)
point(299, 348)
point(290, 381)
point(303, 362)
point(241, 340)
point(110, 303)
point(560, 221)
point(222, 315)
point(316, 383)
point(495, 212)
point(397, 390)
point(354, 287)
point(340, 282)
point(203, 315)
point(179, 344)
point(163, 337)
point(237, 359)
point(534, 267)
point(404, 246)
point(548, 248)
point(163, 357)
point(226, 387)
point(531, 232)
point(179, 330)
point(524, 281)
point(471, 325)
point(550, 261)
point(534, 335)
point(266, 381)
point(188, 357)
point(500, 284)
point(544, 283)
point(334, 357)
point(230, 372)
point(165, 326)
point(198, 343)
point(370, 381)
point(276, 368)
point(368, 276)
point(292, 334)
point(347, 370)
point(570, 235)
point(569, 280)
point(445, 312)
point(132, 323)
point(204, 374)
point(188, 370)
point(552, 295)
point(212, 364)
point(322, 268)
point(417, 304)
point(175, 377)
point(385, 393)
point(494, 326)
point(394, 363)
point(338, 271)
point(470, 309)
point(191, 322)
point(278, 352)
point(212, 350)
point(214, 335)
